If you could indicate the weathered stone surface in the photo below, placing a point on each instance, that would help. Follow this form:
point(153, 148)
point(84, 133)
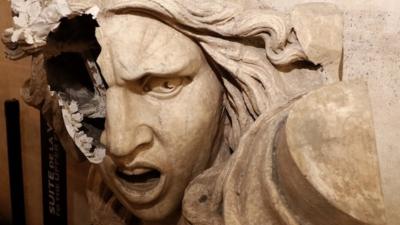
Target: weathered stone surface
point(332, 155)
point(371, 52)
point(319, 28)
point(197, 94)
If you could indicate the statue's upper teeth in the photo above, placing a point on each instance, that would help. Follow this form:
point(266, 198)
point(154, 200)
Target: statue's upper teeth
point(140, 171)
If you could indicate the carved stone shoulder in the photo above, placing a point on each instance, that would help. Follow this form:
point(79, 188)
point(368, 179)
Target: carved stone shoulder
point(328, 167)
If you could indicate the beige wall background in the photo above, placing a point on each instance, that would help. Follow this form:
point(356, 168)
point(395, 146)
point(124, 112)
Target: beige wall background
point(372, 53)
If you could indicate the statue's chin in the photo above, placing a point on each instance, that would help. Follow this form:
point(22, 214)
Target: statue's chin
point(158, 215)
point(165, 210)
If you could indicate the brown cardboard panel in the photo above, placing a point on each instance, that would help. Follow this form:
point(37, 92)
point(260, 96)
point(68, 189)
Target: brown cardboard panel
point(12, 76)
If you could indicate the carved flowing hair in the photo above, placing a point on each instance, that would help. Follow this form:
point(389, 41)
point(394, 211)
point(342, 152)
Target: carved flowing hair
point(249, 47)
point(244, 46)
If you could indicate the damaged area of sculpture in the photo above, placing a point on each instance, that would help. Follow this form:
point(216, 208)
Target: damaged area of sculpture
point(73, 123)
point(83, 111)
point(34, 20)
point(37, 29)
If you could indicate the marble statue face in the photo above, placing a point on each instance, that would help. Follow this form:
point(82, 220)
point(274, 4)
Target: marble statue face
point(163, 117)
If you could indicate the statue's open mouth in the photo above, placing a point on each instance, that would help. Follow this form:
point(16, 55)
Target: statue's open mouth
point(139, 182)
point(140, 179)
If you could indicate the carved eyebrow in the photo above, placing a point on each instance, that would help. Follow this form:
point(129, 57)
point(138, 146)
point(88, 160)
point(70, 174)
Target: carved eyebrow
point(181, 67)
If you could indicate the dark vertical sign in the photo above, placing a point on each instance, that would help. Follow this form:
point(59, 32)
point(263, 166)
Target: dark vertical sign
point(11, 108)
point(54, 178)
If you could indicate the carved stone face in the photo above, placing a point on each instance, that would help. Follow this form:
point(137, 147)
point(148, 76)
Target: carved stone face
point(164, 113)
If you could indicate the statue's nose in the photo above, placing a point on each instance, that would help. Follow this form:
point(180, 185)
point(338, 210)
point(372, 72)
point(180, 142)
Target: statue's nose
point(126, 130)
point(127, 142)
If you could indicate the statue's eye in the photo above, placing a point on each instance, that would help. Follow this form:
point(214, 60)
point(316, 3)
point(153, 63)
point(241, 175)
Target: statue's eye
point(163, 86)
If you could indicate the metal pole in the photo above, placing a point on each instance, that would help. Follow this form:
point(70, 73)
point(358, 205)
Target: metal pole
point(15, 161)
